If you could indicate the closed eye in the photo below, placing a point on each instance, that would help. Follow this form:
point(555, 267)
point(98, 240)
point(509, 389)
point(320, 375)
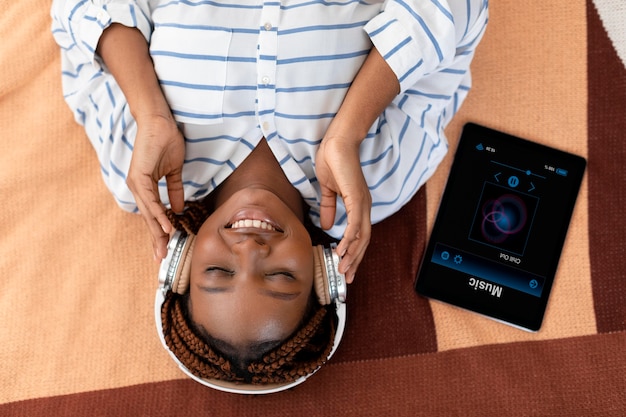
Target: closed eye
point(218, 270)
point(286, 274)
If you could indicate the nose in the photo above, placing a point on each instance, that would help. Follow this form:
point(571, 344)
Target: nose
point(251, 245)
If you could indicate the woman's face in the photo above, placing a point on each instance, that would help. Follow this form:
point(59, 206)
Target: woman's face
point(251, 272)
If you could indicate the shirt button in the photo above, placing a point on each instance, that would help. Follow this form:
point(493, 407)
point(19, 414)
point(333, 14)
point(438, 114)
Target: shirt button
point(266, 126)
point(267, 26)
point(265, 80)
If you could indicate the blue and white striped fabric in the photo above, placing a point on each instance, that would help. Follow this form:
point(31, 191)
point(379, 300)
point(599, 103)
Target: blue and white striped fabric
point(235, 71)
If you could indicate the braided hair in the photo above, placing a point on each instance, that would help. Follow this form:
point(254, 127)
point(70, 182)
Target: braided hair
point(299, 355)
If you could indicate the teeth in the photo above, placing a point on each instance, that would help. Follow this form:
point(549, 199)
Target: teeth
point(253, 223)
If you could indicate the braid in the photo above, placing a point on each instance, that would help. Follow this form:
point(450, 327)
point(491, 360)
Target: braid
point(303, 353)
point(297, 342)
point(191, 219)
point(189, 347)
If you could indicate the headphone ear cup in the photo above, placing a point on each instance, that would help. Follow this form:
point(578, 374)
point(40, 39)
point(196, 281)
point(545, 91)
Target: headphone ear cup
point(320, 277)
point(180, 282)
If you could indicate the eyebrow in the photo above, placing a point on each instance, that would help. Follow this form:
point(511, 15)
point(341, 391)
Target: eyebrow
point(279, 295)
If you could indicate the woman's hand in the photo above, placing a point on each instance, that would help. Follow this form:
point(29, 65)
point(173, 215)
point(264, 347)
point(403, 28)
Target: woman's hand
point(337, 163)
point(339, 173)
point(159, 151)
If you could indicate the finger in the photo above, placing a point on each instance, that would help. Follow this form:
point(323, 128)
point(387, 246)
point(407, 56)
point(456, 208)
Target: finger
point(153, 213)
point(175, 191)
point(155, 208)
point(359, 223)
point(159, 247)
point(159, 237)
point(158, 234)
point(355, 241)
point(328, 207)
point(353, 255)
point(352, 268)
point(350, 275)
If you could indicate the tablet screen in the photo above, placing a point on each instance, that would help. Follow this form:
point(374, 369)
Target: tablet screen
point(501, 225)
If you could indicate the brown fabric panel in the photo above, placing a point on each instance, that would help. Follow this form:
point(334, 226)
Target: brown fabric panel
point(385, 316)
point(576, 376)
point(607, 177)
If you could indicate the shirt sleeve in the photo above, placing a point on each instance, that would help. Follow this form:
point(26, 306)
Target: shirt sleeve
point(430, 48)
point(78, 25)
point(90, 90)
point(414, 36)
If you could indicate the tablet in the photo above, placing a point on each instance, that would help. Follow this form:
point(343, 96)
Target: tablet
point(501, 225)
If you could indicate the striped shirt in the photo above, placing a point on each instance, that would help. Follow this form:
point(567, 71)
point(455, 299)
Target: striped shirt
point(235, 71)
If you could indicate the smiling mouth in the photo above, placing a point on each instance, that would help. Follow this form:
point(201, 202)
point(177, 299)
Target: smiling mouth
point(257, 224)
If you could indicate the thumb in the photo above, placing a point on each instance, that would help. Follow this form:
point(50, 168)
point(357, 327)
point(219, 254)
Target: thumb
point(175, 191)
point(328, 207)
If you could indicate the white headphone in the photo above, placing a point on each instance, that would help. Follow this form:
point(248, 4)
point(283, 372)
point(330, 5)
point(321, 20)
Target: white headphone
point(330, 287)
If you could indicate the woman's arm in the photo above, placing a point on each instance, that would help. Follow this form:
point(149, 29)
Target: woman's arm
point(125, 52)
point(337, 164)
point(373, 88)
point(159, 147)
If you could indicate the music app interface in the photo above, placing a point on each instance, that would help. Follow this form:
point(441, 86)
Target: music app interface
point(504, 216)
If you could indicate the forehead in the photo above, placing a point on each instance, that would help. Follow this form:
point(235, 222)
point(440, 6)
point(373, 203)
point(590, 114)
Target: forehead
point(248, 318)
